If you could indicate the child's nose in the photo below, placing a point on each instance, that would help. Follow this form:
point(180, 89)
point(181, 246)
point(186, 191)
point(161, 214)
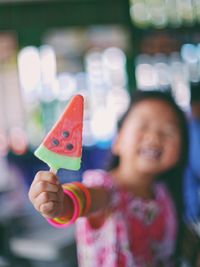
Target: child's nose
point(153, 137)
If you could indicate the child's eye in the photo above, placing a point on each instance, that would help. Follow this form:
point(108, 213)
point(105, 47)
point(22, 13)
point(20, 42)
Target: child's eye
point(140, 126)
point(169, 132)
point(143, 126)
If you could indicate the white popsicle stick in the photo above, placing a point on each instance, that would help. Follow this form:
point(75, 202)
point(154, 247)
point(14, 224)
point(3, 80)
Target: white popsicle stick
point(53, 170)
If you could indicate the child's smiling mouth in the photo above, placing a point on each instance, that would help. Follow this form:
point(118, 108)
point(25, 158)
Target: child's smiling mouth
point(150, 153)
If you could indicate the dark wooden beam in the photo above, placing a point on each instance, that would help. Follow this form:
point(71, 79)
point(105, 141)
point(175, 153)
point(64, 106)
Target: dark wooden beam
point(31, 19)
point(61, 13)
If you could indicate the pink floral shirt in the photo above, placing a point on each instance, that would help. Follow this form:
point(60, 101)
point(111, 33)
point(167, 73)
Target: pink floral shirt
point(137, 232)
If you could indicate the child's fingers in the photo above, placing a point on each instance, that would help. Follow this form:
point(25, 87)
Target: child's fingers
point(44, 198)
point(49, 209)
point(46, 176)
point(42, 186)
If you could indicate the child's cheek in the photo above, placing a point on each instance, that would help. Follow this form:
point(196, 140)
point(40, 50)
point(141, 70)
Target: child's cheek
point(138, 136)
point(134, 141)
point(173, 153)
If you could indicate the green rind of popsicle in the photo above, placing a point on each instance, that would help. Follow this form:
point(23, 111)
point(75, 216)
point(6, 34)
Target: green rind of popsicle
point(56, 161)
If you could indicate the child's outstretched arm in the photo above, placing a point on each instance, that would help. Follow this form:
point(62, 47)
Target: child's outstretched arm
point(48, 198)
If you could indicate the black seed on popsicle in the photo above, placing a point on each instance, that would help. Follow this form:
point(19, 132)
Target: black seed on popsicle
point(69, 146)
point(65, 134)
point(55, 142)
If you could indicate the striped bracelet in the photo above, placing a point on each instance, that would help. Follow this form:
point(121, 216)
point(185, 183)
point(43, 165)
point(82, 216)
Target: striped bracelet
point(81, 199)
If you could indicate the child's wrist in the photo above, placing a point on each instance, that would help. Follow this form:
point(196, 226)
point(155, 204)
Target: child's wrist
point(67, 209)
point(76, 203)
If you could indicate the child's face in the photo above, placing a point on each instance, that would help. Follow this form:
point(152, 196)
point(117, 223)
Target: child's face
point(149, 140)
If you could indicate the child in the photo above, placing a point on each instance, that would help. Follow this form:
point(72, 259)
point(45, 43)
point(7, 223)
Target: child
point(130, 214)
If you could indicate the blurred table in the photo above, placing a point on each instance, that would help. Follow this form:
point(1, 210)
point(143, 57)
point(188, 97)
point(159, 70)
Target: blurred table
point(39, 244)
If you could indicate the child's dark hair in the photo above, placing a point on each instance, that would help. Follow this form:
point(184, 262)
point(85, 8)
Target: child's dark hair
point(173, 177)
point(194, 92)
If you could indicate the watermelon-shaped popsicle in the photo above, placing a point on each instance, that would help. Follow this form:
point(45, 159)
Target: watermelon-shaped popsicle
point(62, 147)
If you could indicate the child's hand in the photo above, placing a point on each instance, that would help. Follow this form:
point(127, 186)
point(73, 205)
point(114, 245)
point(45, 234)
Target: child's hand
point(46, 194)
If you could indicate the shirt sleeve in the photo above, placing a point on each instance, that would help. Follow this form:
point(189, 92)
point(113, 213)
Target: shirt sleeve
point(95, 178)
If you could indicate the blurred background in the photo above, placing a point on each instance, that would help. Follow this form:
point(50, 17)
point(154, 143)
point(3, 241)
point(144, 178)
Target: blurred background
point(102, 49)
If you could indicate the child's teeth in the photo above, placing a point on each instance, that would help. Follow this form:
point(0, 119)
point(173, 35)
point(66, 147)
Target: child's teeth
point(151, 153)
